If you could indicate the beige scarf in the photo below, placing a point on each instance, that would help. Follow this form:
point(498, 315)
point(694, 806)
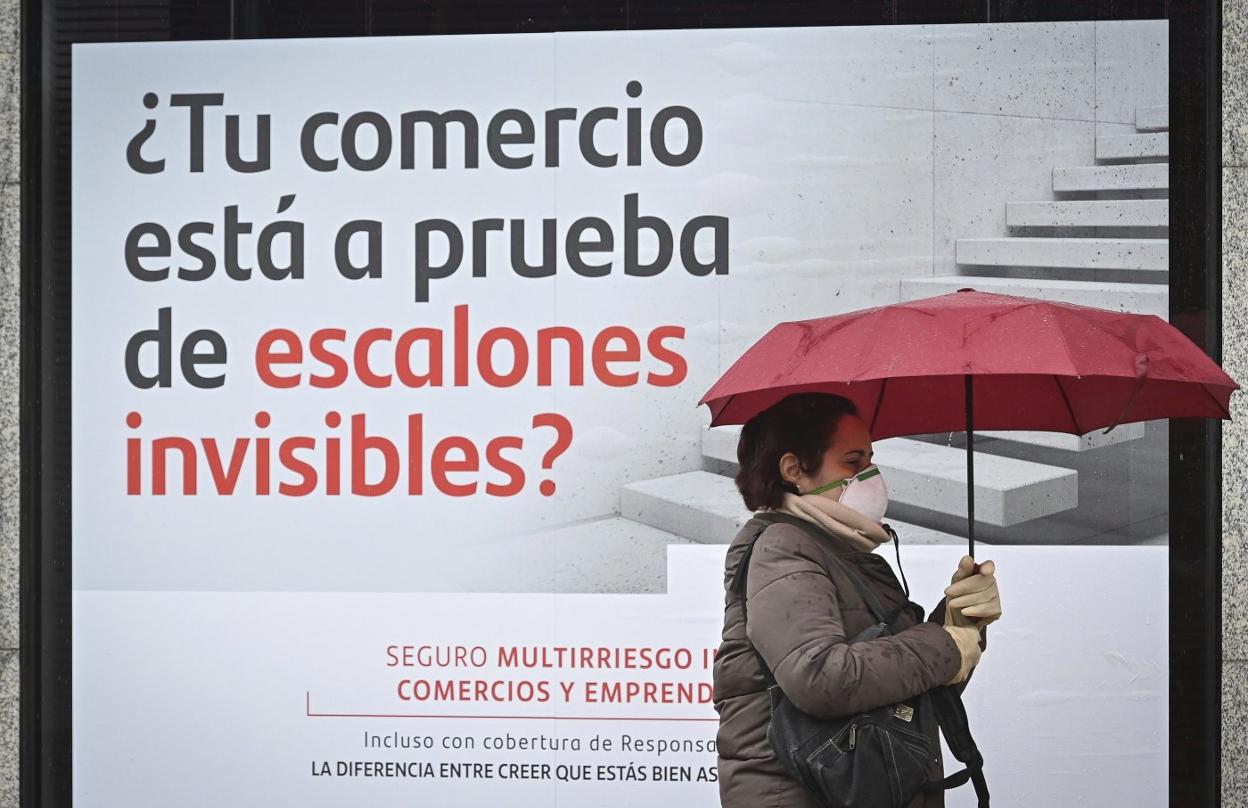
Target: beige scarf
point(840, 520)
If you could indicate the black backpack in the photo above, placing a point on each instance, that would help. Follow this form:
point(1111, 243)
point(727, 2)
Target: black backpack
point(877, 757)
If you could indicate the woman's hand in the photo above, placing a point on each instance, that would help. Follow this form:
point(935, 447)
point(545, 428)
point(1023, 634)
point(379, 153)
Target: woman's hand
point(972, 599)
point(967, 640)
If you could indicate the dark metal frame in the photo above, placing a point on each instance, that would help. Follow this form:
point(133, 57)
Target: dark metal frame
point(1196, 444)
point(49, 27)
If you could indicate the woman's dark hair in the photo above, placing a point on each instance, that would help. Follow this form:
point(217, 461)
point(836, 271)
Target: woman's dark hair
point(802, 423)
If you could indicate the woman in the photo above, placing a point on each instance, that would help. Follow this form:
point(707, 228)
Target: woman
point(796, 457)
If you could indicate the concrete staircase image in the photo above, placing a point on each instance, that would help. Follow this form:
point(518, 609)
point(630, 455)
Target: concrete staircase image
point(1102, 241)
point(705, 506)
point(1106, 252)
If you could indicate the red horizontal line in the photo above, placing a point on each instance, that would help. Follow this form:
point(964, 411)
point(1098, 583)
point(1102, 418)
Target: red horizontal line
point(510, 717)
point(311, 714)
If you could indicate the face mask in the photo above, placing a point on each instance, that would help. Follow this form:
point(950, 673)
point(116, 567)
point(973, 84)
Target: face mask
point(864, 492)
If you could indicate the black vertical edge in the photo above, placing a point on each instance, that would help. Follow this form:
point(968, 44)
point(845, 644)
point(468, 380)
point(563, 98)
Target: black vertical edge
point(1196, 444)
point(45, 577)
point(30, 746)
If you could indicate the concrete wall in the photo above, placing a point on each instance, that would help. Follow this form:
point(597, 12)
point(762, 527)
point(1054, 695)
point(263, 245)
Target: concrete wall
point(10, 197)
point(1235, 432)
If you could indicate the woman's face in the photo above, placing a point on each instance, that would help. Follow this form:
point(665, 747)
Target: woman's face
point(849, 454)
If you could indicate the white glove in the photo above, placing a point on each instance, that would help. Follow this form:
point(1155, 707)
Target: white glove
point(967, 640)
point(973, 599)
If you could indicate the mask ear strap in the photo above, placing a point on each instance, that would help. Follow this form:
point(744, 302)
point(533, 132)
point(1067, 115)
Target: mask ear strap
point(833, 484)
point(867, 473)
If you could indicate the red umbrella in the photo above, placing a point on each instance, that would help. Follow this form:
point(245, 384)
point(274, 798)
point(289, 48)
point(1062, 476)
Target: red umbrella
point(977, 359)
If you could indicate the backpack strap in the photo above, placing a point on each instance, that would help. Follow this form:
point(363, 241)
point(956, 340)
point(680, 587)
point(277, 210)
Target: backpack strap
point(739, 579)
point(897, 550)
point(951, 716)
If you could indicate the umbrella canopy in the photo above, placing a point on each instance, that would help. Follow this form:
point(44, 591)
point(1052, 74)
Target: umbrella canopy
point(1037, 365)
point(972, 359)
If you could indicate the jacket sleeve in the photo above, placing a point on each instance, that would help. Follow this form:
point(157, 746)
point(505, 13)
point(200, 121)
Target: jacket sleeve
point(794, 621)
point(938, 616)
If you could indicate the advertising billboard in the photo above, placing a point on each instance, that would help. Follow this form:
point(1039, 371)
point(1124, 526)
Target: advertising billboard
point(389, 478)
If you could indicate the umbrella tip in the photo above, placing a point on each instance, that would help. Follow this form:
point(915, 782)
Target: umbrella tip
point(966, 289)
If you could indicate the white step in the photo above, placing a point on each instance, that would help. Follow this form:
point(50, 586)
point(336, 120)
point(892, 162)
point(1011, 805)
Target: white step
point(1140, 298)
point(1070, 443)
point(925, 475)
point(1152, 119)
point(1076, 253)
point(1124, 147)
point(720, 442)
point(1007, 491)
point(611, 554)
point(698, 505)
point(1123, 177)
point(917, 534)
point(1089, 213)
point(707, 508)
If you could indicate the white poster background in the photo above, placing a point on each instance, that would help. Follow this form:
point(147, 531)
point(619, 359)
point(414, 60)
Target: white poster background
point(206, 625)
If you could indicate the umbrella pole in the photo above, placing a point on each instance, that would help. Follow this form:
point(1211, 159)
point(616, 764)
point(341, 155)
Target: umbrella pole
point(970, 464)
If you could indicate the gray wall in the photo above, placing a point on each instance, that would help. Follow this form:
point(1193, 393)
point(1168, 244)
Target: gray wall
point(1235, 432)
point(9, 341)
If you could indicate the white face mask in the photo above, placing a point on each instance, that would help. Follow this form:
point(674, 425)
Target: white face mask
point(864, 492)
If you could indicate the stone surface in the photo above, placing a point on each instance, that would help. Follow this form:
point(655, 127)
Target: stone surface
point(1089, 213)
point(1090, 441)
point(1130, 54)
point(10, 91)
point(1234, 725)
point(9, 668)
point(697, 505)
point(1234, 361)
point(1007, 490)
point(1152, 119)
point(1235, 83)
point(1235, 431)
point(1042, 70)
point(933, 477)
point(1075, 253)
point(1142, 298)
point(10, 115)
point(981, 163)
point(10, 473)
point(1128, 147)
point(10, 274)
point(10, 337)
point(1118, 177)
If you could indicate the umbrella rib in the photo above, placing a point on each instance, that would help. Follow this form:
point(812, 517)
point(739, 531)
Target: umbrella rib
point(1135, 391)
point(1073, 420)
point(1216, 403)
point(878, 401)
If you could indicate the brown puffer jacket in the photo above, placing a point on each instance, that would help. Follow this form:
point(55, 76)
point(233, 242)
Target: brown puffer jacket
point(802, 608)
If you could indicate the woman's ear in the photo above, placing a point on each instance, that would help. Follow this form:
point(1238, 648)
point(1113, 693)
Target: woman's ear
point(790, 468)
